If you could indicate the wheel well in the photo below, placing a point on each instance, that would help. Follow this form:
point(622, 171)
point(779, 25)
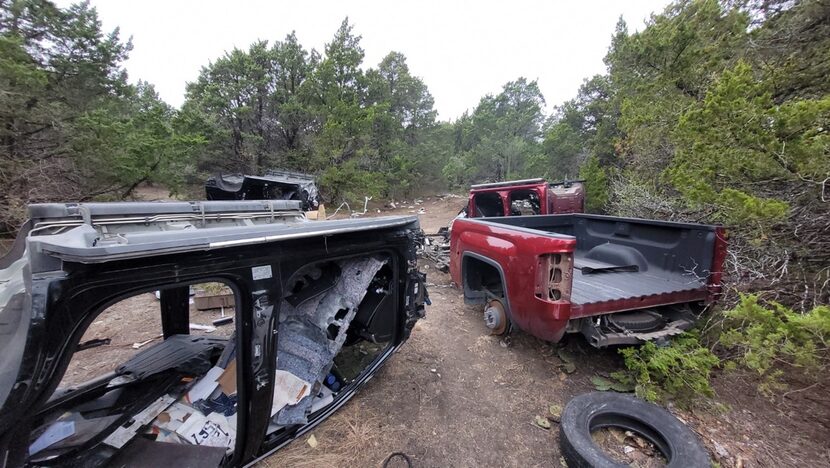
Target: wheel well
point(481, 279)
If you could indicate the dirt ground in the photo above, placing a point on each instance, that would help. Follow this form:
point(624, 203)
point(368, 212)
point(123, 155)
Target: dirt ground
point(456, 396)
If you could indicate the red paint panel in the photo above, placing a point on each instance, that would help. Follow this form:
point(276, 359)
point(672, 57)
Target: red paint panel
point(716, 273)
point(517, 253)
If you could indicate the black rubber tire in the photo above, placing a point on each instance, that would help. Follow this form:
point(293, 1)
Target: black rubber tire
point(592, 411)
point(637, 321)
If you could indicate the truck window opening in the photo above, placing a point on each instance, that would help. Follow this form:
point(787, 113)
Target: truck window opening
point(524, 203)
point(488, 205)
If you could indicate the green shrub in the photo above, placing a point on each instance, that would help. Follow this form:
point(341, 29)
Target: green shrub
point(596, 185)
point(349, 182)
point(769, 338)
point(679, 371)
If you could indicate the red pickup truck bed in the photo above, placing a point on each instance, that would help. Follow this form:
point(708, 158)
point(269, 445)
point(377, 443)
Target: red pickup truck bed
point(572, 272)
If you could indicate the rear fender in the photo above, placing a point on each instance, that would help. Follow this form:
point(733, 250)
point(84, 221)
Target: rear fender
point(514, 253)
point(473, 296)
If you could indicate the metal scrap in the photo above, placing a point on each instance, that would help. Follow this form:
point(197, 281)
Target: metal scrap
point(273, 185)
point(436, 247)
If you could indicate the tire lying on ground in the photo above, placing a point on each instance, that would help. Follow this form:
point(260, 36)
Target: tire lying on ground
point(592, 411)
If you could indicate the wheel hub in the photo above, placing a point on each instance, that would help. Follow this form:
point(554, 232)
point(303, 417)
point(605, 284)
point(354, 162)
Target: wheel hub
point(495, 317)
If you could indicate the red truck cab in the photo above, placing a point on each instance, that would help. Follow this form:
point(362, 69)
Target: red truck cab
point(526, 197)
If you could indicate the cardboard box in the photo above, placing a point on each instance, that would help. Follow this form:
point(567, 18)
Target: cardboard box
point(214, 301)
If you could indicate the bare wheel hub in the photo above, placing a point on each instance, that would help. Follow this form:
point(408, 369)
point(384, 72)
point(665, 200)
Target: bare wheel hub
point(495, 317)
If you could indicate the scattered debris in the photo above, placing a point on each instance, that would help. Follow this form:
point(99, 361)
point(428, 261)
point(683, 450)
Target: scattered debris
point(352, 214)
point(602, 384)
point(312, 441)
point(555, 413)
point(314, 322)
point(436, 247)
point(204, 328)
point(222, 321)
point(213, 430)
point(365, 207)
point(542, 422)
point(720, 451)
point(339, 314)
point(585, 437)
point(567, 359)
point(346, 204)
point(94, 343)
point(213, 301)
point(288, 390)
point(140, 344)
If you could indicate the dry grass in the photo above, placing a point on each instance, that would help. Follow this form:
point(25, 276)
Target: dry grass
point(342, 438)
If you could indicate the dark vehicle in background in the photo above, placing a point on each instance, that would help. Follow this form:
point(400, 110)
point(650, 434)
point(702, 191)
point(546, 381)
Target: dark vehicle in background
point(273, 185)
point(317, 308)
point(615, 280)
point(525, 197)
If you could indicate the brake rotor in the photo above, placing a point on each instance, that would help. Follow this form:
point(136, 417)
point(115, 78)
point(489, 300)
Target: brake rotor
point(495, 317)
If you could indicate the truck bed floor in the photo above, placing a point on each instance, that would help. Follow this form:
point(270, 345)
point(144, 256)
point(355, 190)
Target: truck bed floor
point(611, 286)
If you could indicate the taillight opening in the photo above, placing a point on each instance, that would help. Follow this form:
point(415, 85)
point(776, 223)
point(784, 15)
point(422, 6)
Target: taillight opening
point(553, 277)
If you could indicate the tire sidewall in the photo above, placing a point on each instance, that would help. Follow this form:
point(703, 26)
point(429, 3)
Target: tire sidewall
point(579, 449)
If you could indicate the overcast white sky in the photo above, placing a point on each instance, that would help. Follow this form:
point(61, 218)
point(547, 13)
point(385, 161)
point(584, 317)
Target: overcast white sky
point(461, 49)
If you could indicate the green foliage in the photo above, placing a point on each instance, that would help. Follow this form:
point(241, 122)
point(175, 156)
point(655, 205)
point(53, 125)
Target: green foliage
point(564, 146)
point(659, 71)
point(350, 183)
point(678, 371)
point(252, 105)
point(71, 127)
point(603, 385)
point(500, 138)
point(737, 136)
point(720, 109)
point(596, 185)
point(281, 105)
point(771, 337)
point(133, 141)
point(584, 127)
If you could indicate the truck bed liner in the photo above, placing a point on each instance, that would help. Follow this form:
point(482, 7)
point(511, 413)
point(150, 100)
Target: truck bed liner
point(626, 263)
point(612, 286)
